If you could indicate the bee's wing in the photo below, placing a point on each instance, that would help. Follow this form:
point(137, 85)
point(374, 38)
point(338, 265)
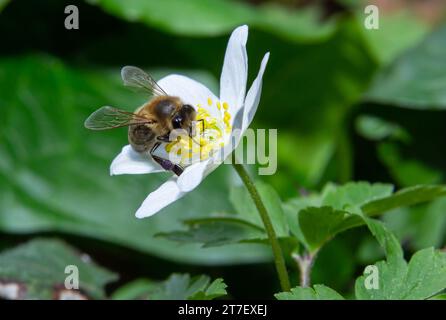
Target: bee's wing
point(110, 118)
point(138, 79)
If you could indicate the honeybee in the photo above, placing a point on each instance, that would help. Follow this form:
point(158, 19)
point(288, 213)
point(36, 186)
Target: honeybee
point(152, 123)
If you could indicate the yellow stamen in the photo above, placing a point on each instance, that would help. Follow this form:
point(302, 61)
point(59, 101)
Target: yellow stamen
point(208, 135)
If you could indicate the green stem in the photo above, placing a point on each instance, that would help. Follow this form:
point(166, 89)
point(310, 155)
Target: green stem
point(277, 250)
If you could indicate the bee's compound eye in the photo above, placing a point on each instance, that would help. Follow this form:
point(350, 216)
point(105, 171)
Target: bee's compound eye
point(187, 108)
point(177, 121)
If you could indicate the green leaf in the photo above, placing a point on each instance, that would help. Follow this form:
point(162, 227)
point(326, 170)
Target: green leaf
point(321, 217)
point(176, 287)
point(245, 226)
point(386, 239)
point(426, 274)
point(39, 268)
point(348, 197)
point(374, 128)
point(421, 226)
point(351, 196)
point(293, 206)
point(318, 292)
point(366, 198)
point(54, 174)
point(405, 197)
point(319, 225)
point(401, 25)
point(245, 207)
point(402, 198)
point(216, 231)
point(431, 224)
point(137, 289)
point(210, 18)
point(439, 297)
point(216, 289)
point(421, 278)
point(3, 4)
point(339, 208)
point(416, 79)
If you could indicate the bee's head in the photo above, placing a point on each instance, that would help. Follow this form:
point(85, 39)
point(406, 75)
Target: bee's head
point(184, 117)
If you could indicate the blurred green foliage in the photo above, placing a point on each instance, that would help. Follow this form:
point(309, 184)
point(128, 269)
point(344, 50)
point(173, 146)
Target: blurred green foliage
point(35, 268)
point(416, 78)
point(330, 89)
point(177, 287)
point(216, 17)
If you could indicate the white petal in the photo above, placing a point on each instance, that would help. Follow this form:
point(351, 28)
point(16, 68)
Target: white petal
point(167, 193)
point(253, 97)
point(131, 162)
point(193, 175)
point(190, 92)
point(235, 71)
point(244, 116)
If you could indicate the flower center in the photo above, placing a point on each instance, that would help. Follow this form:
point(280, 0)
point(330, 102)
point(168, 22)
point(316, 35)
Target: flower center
point(208, 135)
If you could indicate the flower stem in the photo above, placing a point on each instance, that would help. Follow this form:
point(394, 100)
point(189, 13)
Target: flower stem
point(277, 250)
point(305, 264)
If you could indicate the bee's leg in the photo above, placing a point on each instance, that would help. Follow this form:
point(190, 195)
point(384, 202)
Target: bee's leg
point(202, 126)
point(192, 132)
point(155, 146)
point(164, 163)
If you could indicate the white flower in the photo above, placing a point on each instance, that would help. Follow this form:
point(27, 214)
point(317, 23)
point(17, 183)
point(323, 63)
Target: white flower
point(230, 115)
